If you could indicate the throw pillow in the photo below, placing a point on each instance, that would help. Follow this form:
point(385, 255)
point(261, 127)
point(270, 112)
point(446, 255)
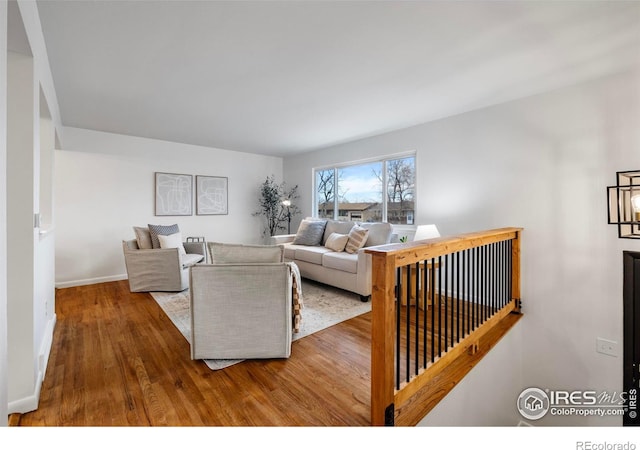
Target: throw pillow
point(357, 238)
point(220, 253)
point(310, 232)
point(336, 226)
point(165, 230)
point(172, 241)
point(143, 237)
point(337, 242)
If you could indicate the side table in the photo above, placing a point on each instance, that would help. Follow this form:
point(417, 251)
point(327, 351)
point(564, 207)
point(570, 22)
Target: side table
point(425, 279)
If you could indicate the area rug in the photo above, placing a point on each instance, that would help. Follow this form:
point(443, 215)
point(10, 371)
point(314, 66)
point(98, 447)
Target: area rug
point(323, 307)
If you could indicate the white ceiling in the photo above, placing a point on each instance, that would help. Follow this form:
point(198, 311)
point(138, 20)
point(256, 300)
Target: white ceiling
point(282, 77)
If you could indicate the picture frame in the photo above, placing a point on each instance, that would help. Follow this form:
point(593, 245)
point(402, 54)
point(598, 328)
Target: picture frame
point(173, 194)
point(212, 195)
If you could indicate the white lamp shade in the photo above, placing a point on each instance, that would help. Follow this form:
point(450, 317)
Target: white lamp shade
point(426, 232)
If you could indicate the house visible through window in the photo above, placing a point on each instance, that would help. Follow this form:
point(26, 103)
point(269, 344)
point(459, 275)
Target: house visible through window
point(375, 191)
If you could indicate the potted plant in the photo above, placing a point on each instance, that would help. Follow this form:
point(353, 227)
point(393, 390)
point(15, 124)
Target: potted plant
point(277, 206)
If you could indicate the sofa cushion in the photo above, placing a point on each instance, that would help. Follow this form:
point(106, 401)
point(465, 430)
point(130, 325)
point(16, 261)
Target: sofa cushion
point(357, 238)
point(220, 253)
point(336, 226)
point(165, 230)
point(311, 254)
point(379, 233)
point(143, 237)
point(337, 242)
point(310, 232)
point(345, 262)
point(190, 259)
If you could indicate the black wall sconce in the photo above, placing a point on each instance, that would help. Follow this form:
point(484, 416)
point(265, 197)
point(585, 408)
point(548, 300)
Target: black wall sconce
point(624, 204)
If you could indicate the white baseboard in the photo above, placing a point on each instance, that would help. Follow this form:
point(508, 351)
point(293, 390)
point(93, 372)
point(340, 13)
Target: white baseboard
point(45, 347)
point(73, 283)
point(30, 402)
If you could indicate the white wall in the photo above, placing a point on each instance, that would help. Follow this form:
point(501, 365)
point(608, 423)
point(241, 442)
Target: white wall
point(4, 383)
point(104, 185)
point(542, 163)
point(471, 403)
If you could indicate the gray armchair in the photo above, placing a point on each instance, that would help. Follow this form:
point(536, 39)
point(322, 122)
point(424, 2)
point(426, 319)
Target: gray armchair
point(241, 310)
point(160, 269)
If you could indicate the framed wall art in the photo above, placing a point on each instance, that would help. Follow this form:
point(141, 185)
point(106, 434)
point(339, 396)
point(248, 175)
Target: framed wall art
point(174, 194)
point(211, 195)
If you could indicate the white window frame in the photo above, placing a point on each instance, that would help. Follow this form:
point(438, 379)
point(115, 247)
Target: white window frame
point(383, 160)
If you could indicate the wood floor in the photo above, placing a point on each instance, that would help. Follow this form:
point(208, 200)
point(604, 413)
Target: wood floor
point(118, 360)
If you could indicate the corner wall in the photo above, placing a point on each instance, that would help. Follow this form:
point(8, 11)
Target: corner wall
point(104, 185)
point(542, 163)
point(30, 274)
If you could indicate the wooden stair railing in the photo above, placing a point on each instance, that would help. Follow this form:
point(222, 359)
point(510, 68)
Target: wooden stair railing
point(432, 302)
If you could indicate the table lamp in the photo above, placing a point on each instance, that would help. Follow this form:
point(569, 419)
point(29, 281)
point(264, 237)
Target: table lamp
point(426, 232)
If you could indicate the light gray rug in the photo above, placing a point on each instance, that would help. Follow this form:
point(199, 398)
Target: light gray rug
point(323, 306)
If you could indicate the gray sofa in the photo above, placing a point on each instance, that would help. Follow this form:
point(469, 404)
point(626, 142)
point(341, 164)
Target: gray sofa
point(346, 270)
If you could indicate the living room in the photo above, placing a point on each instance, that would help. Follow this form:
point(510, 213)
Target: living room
point(538, 157)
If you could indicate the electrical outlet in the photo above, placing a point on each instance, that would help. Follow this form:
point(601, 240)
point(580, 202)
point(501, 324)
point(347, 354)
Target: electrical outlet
point(607, 347)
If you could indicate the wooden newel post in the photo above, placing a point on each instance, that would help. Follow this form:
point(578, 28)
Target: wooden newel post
point(382, 338)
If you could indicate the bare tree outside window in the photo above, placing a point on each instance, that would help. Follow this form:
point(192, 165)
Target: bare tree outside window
point(400, 190)
point(325, 192)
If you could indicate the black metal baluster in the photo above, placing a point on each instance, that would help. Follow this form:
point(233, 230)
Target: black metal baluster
point(446, 302)
point(398, 321)
point(485, 284)
point(510, 254)
point(474, 286)
point(408, 325)
point(465, 305)
point(479, 288)
point(493, 278)
point(499, 275)
point(417, 333)
point(425, 308)
point(458, 294)
point(503, 266)
point(433, 305)
point(440, 307)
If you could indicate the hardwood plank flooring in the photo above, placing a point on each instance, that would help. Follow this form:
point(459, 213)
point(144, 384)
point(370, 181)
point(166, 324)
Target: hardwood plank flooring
point(118, 360)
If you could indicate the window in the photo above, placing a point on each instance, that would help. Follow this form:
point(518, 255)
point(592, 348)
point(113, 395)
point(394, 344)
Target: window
point(375, 191)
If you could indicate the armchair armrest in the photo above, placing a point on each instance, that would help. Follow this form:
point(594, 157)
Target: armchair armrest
point(153, 269)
